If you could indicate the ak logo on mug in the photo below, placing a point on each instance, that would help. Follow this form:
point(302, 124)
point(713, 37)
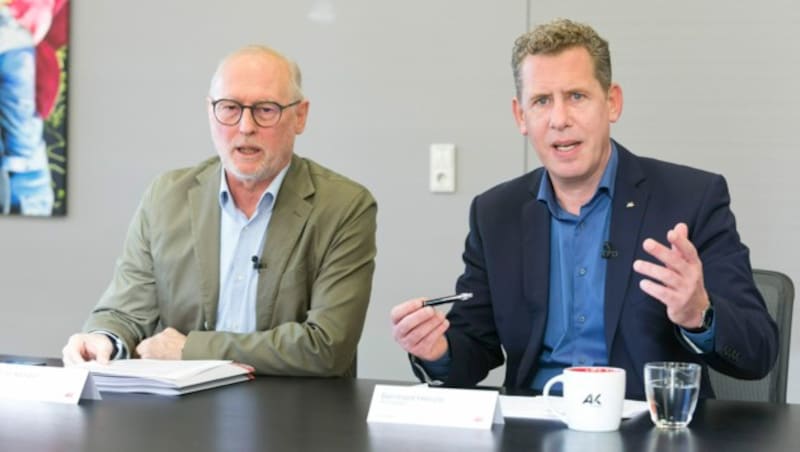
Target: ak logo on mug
point(592, 399)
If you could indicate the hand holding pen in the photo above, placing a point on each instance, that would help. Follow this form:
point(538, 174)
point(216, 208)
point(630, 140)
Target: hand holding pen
point(421, 331)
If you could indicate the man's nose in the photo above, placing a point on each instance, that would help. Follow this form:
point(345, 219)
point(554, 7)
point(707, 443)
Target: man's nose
point(247, 124)
point(559, 116)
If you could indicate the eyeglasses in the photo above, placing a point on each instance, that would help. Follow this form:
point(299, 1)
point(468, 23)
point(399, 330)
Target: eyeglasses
point(265, 114)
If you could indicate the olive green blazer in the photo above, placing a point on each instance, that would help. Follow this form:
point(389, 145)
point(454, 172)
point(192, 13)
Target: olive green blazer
point(312, 294)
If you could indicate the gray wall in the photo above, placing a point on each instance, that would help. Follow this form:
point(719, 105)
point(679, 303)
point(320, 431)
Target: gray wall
point(704, 86)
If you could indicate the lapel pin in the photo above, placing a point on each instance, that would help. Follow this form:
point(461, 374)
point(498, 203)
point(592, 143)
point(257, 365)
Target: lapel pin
point(630, 204)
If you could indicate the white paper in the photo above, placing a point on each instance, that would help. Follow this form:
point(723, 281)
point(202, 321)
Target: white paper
point(158, 369)
point(165, 377)
point(467, 408)
point(47, 384)
point(535, 407)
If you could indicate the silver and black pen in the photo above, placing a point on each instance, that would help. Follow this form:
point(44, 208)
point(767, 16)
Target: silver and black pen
point(447, 299)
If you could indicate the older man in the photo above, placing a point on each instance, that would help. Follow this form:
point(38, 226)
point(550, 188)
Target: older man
point(257, 255)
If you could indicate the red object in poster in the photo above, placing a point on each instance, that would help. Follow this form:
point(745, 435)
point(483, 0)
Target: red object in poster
point(48, 22)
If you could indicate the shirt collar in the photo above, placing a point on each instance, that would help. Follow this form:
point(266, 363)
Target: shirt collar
point(267, 198)
point(548, 196)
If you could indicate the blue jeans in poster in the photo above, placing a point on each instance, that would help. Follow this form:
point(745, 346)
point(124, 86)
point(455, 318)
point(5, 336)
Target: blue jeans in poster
point(23, 152)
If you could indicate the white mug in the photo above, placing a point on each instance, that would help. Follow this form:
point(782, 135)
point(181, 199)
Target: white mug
point(593, 398)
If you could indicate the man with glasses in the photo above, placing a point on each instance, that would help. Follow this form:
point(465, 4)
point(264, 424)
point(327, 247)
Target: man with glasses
point(256, 255)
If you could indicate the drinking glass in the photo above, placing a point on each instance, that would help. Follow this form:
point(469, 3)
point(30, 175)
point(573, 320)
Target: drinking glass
point(672, 389)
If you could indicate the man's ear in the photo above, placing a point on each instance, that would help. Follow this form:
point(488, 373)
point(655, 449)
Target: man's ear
point(519, 115)
point(301, 115)
point(614, 102)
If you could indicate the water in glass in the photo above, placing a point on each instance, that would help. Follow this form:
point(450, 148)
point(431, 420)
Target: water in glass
point(672, 390)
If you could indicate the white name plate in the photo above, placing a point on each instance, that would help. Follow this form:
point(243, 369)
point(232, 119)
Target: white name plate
point(47, 384)
point(444, 407)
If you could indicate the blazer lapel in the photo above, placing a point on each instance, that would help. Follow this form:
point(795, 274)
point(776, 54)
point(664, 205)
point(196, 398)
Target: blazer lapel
point(289, 216)
point(628, 208)
point(204, 214)
point(535, 275)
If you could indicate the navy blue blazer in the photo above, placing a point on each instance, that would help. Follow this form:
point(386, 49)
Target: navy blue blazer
point(507, 255)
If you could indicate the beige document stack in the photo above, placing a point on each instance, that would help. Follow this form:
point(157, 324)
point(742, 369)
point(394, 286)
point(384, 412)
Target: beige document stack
point(165, 377)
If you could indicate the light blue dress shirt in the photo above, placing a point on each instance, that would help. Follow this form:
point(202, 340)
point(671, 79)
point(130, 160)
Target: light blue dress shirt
point(240, 239)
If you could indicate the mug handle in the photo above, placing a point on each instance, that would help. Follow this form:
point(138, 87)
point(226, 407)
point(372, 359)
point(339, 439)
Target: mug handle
point(546, 393)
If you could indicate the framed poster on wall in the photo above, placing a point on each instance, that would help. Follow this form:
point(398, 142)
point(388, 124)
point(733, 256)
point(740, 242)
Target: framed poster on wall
point(33, 107)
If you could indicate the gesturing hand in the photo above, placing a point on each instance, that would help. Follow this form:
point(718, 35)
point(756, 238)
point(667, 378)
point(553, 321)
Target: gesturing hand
point(678, 283)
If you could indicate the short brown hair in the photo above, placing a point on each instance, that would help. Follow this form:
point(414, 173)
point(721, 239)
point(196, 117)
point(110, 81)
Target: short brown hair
point(554, 37)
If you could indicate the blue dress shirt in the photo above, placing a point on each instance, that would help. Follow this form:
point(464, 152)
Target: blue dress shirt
point(575, 329)
point(240, 239)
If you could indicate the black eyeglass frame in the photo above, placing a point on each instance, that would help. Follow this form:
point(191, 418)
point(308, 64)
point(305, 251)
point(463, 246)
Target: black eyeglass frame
point(243, 107)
